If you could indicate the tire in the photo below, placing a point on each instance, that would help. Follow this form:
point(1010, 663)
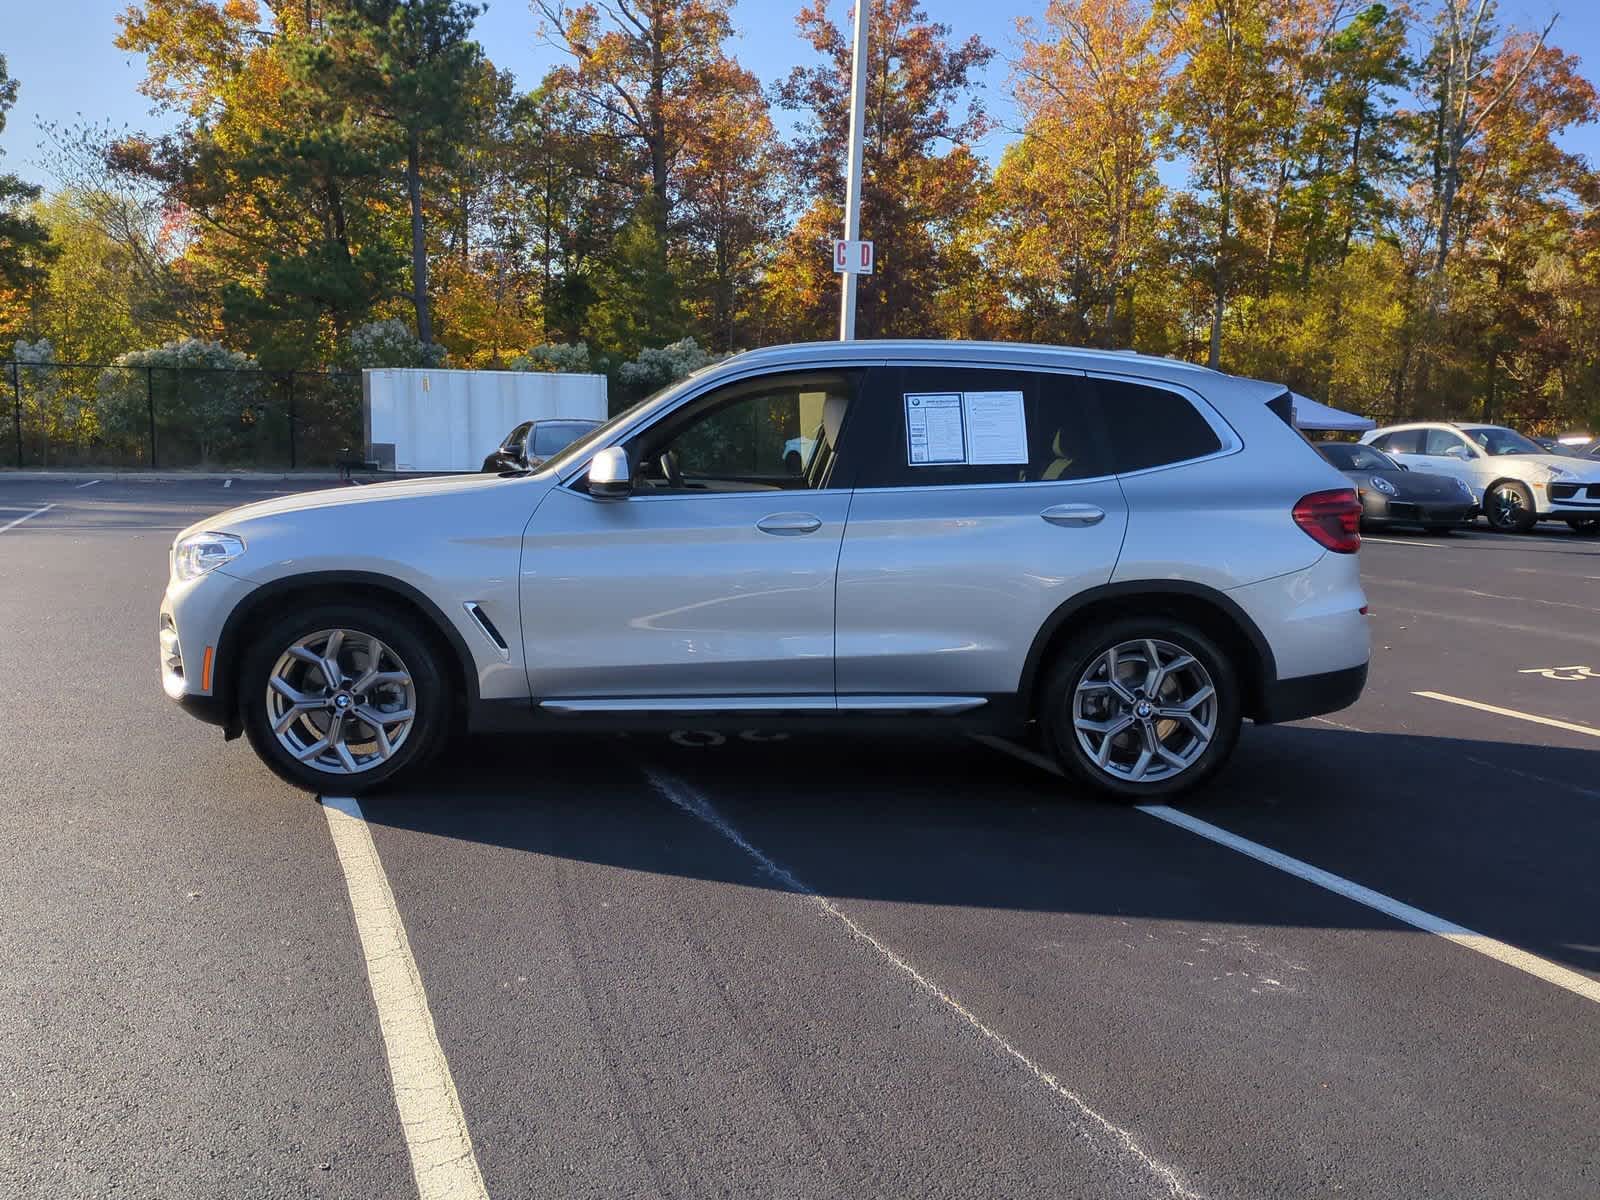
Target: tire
point(1508, 507)
point(1584, 526)
point(1073, 681)
point(284, 662)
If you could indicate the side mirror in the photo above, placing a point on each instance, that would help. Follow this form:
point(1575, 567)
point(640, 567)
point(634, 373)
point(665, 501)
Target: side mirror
point(610, 474)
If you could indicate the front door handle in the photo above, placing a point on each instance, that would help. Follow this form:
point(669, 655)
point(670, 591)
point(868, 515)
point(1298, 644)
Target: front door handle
point(789, 524)
point(1074, 515)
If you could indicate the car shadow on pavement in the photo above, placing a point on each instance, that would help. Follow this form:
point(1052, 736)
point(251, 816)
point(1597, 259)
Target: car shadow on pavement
point(1495, 836)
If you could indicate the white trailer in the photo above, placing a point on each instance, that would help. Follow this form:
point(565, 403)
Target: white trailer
point(425, 419)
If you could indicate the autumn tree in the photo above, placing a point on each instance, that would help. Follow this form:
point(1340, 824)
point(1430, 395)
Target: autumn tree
point(24, 240)
point(730, 210)
point(1219, 108)
point(654, 77)
point(286, 193)
point(1467, 77)
point(411, 65)
point(1077, 198)
point(922, 181)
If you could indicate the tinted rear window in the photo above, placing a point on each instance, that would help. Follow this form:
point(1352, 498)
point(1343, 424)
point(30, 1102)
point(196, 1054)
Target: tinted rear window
point(1151, 426)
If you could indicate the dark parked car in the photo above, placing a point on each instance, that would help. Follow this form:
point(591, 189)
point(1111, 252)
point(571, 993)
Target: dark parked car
point(530, 443)
point(1394, 495)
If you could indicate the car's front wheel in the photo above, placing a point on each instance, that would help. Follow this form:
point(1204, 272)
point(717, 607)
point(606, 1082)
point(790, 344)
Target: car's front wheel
point(341, 698)
point(1509, 507)
point(1141, 708)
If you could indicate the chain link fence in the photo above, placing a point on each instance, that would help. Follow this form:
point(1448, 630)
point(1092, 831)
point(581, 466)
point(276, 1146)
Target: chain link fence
point(107, 415)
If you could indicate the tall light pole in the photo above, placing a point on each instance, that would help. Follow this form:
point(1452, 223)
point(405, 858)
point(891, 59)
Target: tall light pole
point(852, 186)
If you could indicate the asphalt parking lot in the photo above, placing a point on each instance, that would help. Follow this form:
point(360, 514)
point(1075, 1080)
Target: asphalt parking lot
point(803, 966)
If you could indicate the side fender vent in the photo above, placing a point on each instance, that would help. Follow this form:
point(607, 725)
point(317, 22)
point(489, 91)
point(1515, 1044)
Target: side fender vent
point(485, 624)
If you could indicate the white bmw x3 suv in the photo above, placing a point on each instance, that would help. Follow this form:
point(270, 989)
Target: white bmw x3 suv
point(1127, 555)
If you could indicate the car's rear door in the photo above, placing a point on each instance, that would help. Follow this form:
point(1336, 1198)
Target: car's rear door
point(967, 531)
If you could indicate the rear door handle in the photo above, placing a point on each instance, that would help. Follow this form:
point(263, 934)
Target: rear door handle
point(789, 524)
point(1074, 515)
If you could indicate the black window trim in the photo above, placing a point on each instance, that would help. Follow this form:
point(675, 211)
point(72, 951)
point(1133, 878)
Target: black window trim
point(1231, 442)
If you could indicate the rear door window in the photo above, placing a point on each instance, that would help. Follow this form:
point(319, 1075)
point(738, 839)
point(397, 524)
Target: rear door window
point(1403, 441)
point(946, 426)
point(1152, 426)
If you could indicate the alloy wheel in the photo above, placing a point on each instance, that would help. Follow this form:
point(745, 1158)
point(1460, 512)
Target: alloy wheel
point(1144, 711)
point(341, 701)
point(1505, 507)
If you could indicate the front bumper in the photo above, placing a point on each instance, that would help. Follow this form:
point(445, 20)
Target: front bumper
point(1383, 510)
point(1571, 500)
point(190, 634)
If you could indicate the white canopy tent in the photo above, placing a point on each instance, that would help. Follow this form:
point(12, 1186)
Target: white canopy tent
point(1308, 414)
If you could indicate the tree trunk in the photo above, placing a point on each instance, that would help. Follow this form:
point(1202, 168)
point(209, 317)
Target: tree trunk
point(419, 241)
point(1214, 356)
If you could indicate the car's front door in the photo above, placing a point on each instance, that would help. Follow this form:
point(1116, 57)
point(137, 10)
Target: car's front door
point(713, 581)
point(1445, 452)
point(984, 500)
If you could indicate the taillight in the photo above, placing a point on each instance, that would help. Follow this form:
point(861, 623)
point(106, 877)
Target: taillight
point(1332, 518)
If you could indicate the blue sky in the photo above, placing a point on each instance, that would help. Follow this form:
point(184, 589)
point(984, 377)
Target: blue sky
point(63, 56)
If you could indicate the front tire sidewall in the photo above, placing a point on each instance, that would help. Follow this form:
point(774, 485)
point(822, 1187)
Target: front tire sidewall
point(1060, 737)
point(403, 637)
point(1522, 521)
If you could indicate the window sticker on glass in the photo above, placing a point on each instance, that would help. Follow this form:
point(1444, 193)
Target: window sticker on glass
point(996, 429)
point(934, 432)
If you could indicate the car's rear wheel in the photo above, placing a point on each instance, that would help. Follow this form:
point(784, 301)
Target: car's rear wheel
point(340, 698)
point(1509, 507)
point(1141, 708)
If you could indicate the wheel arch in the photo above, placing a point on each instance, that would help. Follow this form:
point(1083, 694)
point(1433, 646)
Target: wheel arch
point(1204, 607)
point(269, 600)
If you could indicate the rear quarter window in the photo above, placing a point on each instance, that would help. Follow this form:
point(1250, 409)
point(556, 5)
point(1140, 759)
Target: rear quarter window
point(1148, 426)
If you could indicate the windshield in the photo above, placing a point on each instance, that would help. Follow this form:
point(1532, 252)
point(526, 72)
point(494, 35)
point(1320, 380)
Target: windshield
point(551, 436)
point(1498, 440)
point(1351, 456)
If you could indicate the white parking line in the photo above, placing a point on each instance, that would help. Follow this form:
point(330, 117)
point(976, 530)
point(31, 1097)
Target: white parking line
point(91, 483)
point(1511, 956)
point(435, 1128)
point(1535, 718)
point(25, 517)
point(697, 806)
point(1403, 542)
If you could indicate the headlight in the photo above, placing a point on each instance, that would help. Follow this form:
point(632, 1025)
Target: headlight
point(1383, 485)
point(1557, 474)
point(202, 552)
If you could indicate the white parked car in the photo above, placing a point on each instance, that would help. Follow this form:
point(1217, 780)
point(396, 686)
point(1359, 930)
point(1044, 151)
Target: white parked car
point(1516, 480)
